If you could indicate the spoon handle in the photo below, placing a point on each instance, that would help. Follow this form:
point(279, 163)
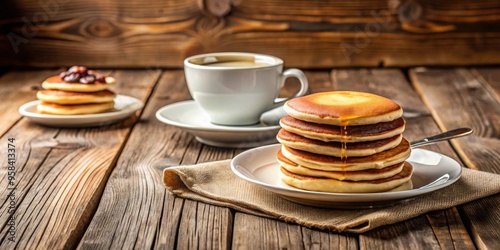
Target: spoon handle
point(441, 137)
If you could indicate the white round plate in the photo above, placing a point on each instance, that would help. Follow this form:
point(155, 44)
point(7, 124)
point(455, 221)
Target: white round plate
point(188, 116)
point(124, 107)
point(432, 171)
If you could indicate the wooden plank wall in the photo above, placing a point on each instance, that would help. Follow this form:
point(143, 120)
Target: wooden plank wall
point(307, 34)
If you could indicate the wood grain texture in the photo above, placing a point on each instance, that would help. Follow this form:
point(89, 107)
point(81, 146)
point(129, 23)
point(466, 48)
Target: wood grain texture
point(458, 99)
point(447, 225)
point(307, 34)
point(31, 154)
point(69, 195)
point(16, 89)
point(274, 234)
point(401, 236)
point(377, 81)
point(448, 229)
point(315, 239)
point(61, 193)
point(490, 77)
point(484, 227)
point(204, 226)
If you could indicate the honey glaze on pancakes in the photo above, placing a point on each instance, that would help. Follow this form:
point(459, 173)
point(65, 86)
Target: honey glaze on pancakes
point(327, 137)
point(332, 163)
point(326, 132)
point(340, 149)
point(343, 108)
point(369, 174)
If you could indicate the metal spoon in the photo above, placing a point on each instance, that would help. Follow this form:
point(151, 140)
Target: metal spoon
point(459, 132)
point(444, 178)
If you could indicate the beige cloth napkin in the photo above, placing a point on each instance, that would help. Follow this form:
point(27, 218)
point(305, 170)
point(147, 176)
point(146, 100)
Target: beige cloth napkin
point(215, 183)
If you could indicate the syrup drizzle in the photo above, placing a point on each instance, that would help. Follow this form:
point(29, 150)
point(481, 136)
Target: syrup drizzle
point(343, 144)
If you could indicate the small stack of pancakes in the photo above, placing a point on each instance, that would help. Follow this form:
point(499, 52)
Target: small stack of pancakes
point(76, 91)
point(345, 142)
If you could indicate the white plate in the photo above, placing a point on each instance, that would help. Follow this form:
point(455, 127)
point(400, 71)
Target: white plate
point(189, 116)
point(124, 107)
point(432, 171)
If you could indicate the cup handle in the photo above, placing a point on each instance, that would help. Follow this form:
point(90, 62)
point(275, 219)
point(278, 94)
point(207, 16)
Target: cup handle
point(304, 85)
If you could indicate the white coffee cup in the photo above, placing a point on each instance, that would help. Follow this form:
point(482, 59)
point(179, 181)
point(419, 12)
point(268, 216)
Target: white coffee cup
point(235, 88)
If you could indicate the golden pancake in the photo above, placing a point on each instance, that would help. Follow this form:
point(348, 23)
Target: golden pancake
point(405, 186)
point(67, 97)
point(331, 163)
point(333, 185)
point(77, 109)
point(338, 149)
point(370, 174)
point(343, 108)
point(325, 132)
point(55, 82)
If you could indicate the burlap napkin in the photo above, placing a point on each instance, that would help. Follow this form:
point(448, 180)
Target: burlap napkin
point(215, 183)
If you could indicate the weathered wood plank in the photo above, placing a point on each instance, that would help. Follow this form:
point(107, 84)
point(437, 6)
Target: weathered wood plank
point(483, 226)
point(204, 226)
point(63, 172)
point(307, 34)
point(315, 239)
point(129, 11)
point(18, 88)
point(456, 98)
point(393, 84)
point(490, 77)
point(314, 10)
point(448, 229)
point(446, 224)
point(31, 153)
point(362, 11)
point(274, 234)
point(166, 237)
point(412, 234)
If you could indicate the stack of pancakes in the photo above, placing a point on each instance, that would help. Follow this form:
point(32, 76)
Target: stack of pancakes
point(76, 91)
point(344, 141)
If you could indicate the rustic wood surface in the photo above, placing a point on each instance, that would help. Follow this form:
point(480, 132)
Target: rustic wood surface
point(466, 102)
point(100, 188)
point(307, 34)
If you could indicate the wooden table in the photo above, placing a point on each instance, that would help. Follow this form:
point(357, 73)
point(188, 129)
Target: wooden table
point(100, 188)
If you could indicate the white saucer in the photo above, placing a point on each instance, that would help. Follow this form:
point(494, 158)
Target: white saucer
point(189, 116)
point(124, 107)
point(432, 171)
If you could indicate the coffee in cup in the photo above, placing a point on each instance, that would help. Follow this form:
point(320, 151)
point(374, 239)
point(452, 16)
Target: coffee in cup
point(235, 88)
